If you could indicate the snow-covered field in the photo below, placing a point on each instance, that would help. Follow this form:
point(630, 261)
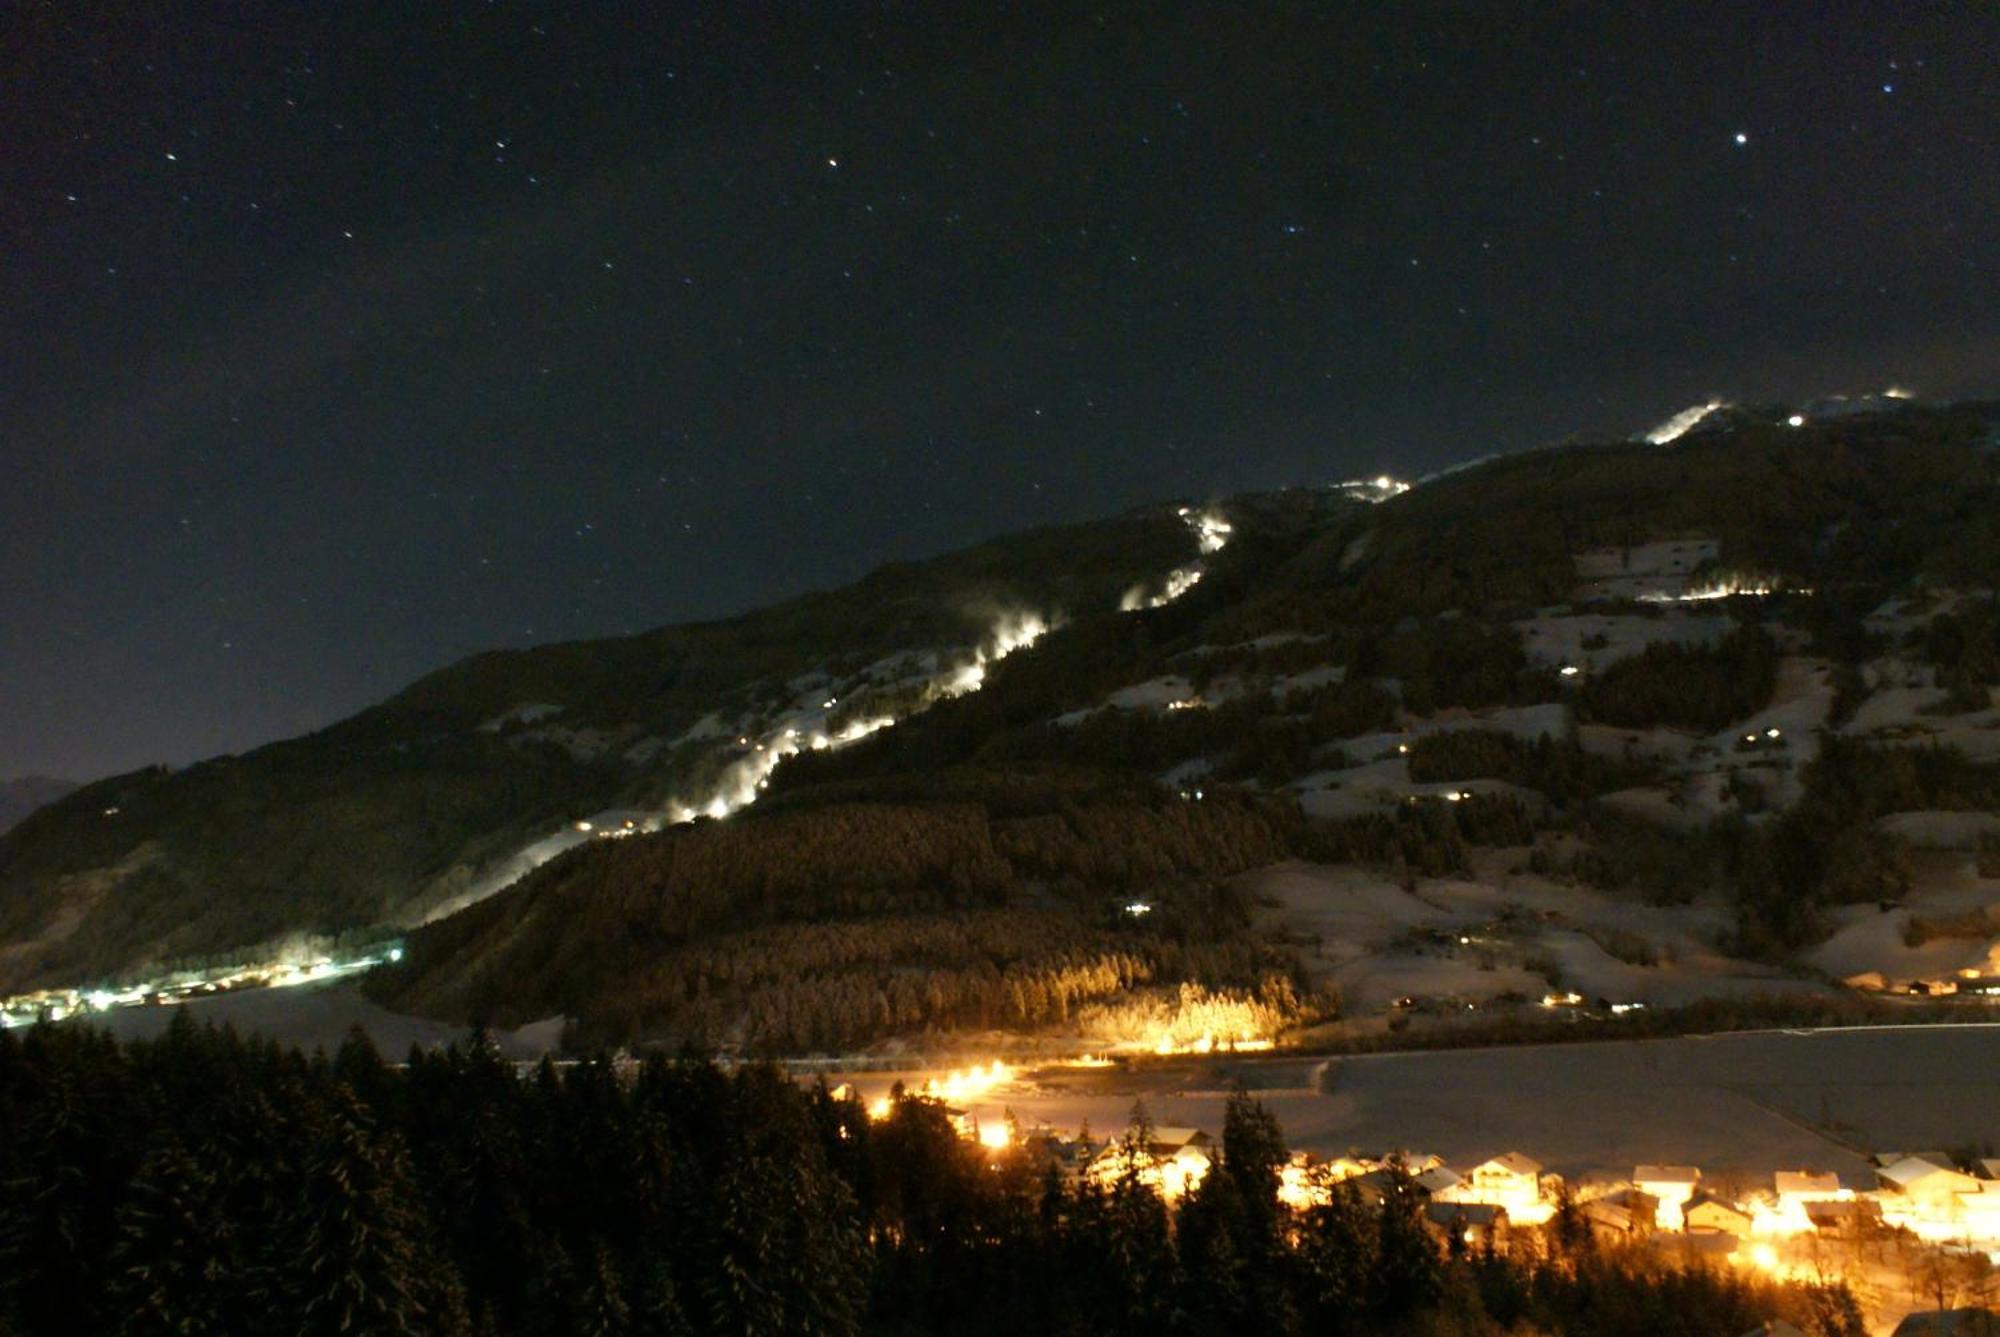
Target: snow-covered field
point(1454, 941)
point(1647, 569)
point(1748, 1103)
point(312, 1016)
point(1867, 938)
point(1380, 775)
point(1902, 715)
point(1594, 641)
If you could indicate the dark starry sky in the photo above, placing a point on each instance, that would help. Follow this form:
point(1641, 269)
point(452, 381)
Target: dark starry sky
point(339, 341)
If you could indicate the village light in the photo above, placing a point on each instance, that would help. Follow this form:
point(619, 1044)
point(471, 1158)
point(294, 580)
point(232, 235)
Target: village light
point(1570, 670)
point(969, 1083)
point(1796, 420)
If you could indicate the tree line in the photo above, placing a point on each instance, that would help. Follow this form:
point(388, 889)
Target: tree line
point(832, 925)
point(201, 1183)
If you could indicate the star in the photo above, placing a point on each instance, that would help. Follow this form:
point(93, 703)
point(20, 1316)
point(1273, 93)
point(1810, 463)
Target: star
point(1741, 139)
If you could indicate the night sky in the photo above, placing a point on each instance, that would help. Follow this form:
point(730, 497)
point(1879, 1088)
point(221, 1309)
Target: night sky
point(340, 341)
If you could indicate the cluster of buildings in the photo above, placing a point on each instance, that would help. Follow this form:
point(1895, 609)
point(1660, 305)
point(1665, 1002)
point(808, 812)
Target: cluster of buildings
point(1928, 1194)
point(1981, 979)
point(58, 1004)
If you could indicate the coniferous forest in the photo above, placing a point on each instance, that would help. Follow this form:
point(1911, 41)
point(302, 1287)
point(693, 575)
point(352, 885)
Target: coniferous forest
point(201, 1183)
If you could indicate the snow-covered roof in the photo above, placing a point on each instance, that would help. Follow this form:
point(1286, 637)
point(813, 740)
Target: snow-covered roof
point(1800, 1183)
point(1710, 1202)
point(1914, 1169)
point(1179, 1137)
point(1437, 1180)
point(1609, 1212)
point(1479, 1214)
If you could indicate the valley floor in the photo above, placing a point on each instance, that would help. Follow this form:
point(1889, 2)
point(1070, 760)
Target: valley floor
point(1745, 1104)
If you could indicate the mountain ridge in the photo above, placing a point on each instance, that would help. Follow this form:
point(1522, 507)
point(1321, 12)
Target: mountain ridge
point(23, 794)
point(392, 814)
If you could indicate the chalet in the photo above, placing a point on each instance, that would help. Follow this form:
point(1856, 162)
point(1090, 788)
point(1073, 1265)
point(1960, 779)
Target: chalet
point(1439, 1181)
point(1803, 1186)
point(1347, 1167)
point(1709, 1215)
point(1668, 1185)
point(1376, 1185)
point(1795, 1192)
point(1609, 1218)
point(1307, 1181)
point(1848, 1218)
point(1172, 1160)
point(1072, 1157)
point(1509, 1180)
point(1171, 1141)
point(1929, 1186)
point(1400, 1172)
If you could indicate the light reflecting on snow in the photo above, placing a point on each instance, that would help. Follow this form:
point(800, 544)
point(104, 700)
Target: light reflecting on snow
point(1374, 490)
point(1678, 426)
point(1179, 581)
point(289, 970)
point(1212, 532)
point(1011, 632)
point(750, 774)
point(1727, 588)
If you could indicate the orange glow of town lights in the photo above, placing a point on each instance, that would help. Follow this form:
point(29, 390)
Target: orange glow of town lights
point(970, 1083)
